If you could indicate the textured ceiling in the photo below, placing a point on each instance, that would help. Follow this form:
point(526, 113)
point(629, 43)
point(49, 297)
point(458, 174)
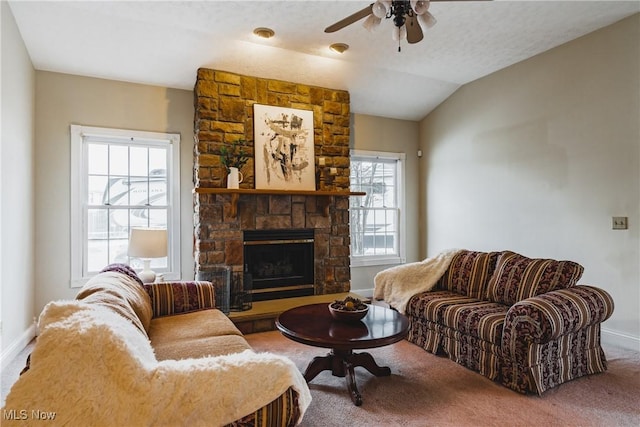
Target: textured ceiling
point(164, 43)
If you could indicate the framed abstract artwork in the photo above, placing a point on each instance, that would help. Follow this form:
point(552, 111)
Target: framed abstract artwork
point(284, 153)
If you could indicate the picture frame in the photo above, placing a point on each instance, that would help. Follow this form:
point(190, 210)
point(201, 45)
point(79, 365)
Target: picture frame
point(284, 148)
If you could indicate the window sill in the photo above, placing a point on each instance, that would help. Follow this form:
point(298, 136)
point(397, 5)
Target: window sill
point(373, 261)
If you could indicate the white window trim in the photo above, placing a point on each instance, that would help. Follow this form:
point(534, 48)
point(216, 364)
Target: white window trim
point(373, 260)
point(79, 190)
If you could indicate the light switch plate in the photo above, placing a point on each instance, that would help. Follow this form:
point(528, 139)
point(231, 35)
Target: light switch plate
point(619, 223)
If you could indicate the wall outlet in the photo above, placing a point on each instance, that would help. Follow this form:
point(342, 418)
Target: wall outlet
point(619, 223)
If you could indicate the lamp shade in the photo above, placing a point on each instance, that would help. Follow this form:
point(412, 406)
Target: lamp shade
point(148, 243)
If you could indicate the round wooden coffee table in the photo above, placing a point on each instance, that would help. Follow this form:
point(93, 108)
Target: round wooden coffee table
point(313, 325)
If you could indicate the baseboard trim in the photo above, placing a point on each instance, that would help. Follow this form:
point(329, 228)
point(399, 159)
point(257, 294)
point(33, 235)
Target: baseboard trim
point(368, 293)
point(618, 339)
point(10, 352)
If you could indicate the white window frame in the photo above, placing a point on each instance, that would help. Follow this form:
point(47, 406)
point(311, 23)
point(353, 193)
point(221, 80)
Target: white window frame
point(79, 191)
point(400, 258)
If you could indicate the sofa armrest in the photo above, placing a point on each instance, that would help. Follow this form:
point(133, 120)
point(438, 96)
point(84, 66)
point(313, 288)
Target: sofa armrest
point(548, 316)
point(168, 298)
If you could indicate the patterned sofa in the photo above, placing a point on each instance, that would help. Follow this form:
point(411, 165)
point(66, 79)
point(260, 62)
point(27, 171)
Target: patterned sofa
point(522, 322)
point(184, 361)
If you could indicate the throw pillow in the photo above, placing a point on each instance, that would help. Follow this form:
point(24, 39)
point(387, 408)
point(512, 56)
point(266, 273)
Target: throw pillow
point(517, 277)
point(168, 298)
point(469, 273)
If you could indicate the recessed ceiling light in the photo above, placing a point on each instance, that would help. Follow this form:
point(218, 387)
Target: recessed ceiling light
point(339, 47)
point(265, 33)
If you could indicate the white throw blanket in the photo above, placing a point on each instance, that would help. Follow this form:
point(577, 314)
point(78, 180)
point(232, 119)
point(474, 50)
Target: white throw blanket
point(396, 285)
point(92, 367)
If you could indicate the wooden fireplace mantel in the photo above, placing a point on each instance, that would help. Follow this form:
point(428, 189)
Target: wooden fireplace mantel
point(326, 196)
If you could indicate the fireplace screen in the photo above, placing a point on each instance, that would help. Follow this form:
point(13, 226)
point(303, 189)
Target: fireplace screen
point(279, 263)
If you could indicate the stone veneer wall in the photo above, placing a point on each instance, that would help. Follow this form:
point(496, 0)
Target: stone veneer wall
point(224, 114)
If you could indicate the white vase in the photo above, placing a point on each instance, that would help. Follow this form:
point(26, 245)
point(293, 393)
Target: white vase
point(234, 178)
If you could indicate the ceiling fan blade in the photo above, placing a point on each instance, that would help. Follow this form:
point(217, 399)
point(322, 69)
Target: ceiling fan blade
point(349, 19)
point(414, 32)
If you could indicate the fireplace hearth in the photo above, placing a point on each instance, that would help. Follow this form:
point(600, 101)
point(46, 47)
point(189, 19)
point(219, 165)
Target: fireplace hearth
point(279, 263)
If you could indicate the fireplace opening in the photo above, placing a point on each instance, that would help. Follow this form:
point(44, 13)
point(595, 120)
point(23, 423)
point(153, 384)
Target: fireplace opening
point(279, 263)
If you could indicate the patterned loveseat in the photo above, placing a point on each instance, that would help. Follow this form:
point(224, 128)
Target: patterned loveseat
point(124, 353)
point(522, 322)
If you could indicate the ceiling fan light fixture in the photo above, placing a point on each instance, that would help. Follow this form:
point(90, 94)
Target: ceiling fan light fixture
point(427, 20)
point(263, 32)
point(339, 47)
point(420, 6)
point(410, 18)
point(372, 22)
point(379, 9)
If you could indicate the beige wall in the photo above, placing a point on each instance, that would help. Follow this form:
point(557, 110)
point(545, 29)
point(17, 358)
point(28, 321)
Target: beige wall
point(538, 157)
point(63, 99)
point(16, 197)
point(399, 136)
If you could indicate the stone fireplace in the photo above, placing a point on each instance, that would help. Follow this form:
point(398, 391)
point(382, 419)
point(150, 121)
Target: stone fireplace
point(224, 218)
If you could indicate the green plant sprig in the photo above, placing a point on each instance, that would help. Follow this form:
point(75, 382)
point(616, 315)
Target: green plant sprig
point(234, 155)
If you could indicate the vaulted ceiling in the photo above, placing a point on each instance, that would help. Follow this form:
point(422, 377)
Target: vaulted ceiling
point(164, 43)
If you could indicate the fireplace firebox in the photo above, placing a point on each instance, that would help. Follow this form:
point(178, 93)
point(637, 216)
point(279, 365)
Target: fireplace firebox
point(279, 263)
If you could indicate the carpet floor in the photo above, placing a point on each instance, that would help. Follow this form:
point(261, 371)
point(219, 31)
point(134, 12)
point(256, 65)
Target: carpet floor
point(428, 390)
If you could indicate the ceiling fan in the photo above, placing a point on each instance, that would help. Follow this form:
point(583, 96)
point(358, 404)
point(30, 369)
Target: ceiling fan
point(408, 18)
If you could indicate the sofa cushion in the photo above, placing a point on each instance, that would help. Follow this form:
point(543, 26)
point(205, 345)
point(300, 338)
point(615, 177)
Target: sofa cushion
point(186, 326)
point(469, 273)
point(201, 347)
point(484, 320)
point(120, 292)
point(195, 334)
point(517, 277)
point(430, 305)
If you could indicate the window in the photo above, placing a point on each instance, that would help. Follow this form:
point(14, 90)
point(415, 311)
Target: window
point(377, 218)
point(121, 179)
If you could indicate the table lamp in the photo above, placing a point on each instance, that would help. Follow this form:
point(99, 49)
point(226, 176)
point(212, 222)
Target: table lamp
point(147, 243)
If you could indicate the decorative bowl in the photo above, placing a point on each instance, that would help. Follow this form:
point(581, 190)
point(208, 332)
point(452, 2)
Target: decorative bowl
point(347, 315)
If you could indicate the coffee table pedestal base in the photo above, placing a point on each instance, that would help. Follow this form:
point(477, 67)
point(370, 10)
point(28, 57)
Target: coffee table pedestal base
point(341, 364)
